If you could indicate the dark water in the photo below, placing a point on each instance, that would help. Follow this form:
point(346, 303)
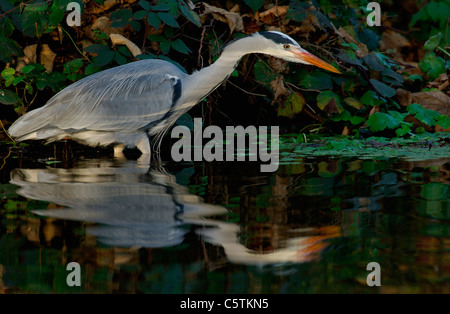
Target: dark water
point(311, 227)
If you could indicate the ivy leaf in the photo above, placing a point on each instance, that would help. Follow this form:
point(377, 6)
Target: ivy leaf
point(383, 89)
point(380, 121)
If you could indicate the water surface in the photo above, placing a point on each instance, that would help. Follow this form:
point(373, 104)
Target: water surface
point(311, 227)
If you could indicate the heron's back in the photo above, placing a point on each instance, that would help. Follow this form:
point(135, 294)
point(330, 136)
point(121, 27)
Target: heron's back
point(124, 99)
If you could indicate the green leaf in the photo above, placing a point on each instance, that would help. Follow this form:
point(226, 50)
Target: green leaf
point(380, 121)
point(427, 116)
point(433, 65)
point(18, 79)
point(73, 66)
point(145, 5)
point(255, 5)
point(403, 130)
point(160, 7)
point(91, 69)
point(293, 105)
point(351, 58)
point(120, 59)
point(370, 98)
point(8, 72)
point(433, 41)
point(8, 97)
point(190, 15)
point(157, 38)
point(317, 80)
point(392, 74)
point(444, 122)
point(121, 17)
point(104, 58)
point(165, 47)
point(153, 20)
point(355, 120)
point(372, 62)
point(329, 102)
point(34, 19)
point(180, 46)
point(6, 27)
point(139, 15)
point(8, 49)
point(383, 89)
point(263, 73)
point(168, 19)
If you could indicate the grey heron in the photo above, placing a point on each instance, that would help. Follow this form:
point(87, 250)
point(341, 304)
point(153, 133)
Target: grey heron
point(128, 104)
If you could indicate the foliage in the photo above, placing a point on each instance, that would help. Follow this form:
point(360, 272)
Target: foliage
point(363, 98)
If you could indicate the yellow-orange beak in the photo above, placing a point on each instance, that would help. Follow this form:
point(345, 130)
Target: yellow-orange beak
point(312, 59)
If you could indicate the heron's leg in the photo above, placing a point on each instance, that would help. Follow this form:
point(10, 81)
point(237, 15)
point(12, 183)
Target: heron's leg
point(144, 146)
point(118, 151)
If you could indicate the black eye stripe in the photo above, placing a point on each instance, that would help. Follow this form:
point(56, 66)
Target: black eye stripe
point(277, 38)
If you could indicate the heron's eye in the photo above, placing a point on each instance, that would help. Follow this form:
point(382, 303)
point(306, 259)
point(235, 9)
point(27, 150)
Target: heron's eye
point(287, 46)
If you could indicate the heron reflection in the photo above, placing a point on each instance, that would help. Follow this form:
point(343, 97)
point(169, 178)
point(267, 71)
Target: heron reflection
point(134, 206)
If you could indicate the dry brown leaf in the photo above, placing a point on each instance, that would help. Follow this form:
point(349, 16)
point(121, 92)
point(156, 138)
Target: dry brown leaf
point(350, 39)
point(393, 40)
point(233, 19)
point(277, 64)
point(47, 57)
point(118, 39)
point(278, 87)
point(434, 100)
point(29, 57)
point(441, 83)
point(404, 97)
point(104, 24)
point(272, 14)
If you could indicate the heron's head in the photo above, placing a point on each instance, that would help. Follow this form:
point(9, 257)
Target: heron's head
point(284, 47)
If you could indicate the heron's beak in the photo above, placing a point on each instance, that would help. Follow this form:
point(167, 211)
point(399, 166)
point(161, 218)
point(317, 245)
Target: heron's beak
point(312, 59)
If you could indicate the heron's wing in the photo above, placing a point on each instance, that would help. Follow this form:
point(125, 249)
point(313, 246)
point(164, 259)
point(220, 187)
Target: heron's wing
point(125, 98)
point(121, 99)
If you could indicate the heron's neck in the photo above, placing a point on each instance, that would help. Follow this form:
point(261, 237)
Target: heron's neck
point(203, 82)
